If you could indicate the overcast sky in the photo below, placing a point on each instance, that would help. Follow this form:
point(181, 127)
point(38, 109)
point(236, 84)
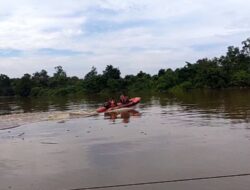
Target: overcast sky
point(133, 35)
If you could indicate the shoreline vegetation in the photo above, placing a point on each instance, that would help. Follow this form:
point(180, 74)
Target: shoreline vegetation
point(228, 71)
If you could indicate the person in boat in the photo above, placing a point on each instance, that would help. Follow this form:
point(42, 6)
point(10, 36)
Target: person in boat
point(124, 99)
point(110, 104)
point(107, 104)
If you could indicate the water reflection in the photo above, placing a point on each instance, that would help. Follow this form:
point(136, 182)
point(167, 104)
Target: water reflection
point(229, 104)
point(124, 116)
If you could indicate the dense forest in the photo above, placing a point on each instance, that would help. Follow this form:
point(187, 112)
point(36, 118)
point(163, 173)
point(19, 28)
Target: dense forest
point(230, 70)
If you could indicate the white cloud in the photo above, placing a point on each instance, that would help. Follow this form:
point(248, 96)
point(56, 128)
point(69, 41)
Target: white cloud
point(133, 35)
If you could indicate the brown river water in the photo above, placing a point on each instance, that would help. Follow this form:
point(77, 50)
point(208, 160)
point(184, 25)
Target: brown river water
point(165, 140)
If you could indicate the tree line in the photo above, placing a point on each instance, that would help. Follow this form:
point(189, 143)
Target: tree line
point(230, 70)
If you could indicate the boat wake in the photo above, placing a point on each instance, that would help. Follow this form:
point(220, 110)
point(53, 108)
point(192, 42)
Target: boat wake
point(16, 120)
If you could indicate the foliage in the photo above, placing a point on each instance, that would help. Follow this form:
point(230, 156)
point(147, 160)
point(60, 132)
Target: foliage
point(24, 86)
point(5, 86)
point(230, 70)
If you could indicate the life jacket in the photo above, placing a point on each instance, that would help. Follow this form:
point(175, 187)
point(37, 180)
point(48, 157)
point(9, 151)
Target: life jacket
point(123, 99)
point(112, 103)
point(107, 105)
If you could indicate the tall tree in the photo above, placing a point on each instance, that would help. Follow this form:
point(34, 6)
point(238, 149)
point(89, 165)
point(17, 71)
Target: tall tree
point(24, 86)
point(5, 86)
point(41, 78)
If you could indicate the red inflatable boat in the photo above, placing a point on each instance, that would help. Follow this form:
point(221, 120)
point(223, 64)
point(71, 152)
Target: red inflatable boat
point(132, 102)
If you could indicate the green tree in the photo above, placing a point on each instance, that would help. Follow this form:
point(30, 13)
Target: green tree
point(91, 74)
point(41, 79)
point(110, 79)
point(93, 82)
point(111, 73)
point(246, 47)
point(167, 80)
point(59, 78)
point(5, 86)
point(24, 86)
point(59, 72)
point(161, 72)
point(241, 78)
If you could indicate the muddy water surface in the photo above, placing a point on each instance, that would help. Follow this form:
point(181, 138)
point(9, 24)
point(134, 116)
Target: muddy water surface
point(166, 137)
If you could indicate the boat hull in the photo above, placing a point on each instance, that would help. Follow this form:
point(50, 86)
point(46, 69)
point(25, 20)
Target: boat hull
point(132, 102)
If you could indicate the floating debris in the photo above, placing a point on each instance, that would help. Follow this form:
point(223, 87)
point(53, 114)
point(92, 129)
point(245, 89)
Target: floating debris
point(21, 134)
point(48, 143)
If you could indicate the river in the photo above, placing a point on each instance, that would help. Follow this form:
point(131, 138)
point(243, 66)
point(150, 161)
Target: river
point(163, 143)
